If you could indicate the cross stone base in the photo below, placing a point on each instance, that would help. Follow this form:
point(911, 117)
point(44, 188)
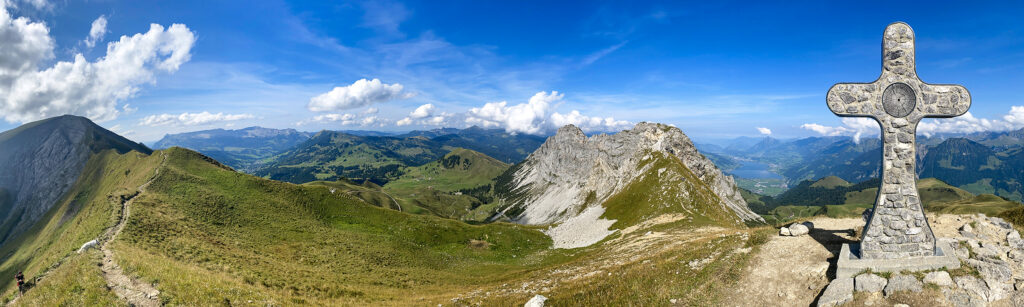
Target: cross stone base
point(850, 262)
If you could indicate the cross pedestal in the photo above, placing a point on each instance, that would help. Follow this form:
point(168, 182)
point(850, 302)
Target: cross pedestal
point(897, 100)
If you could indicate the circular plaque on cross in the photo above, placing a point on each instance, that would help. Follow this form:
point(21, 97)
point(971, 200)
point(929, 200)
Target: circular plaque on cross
point(899, 100)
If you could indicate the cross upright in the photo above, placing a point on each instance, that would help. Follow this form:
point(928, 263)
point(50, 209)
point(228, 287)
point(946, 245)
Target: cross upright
point(898, 100)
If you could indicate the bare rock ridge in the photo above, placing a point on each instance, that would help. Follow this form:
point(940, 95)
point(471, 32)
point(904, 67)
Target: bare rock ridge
point(570, 176)
point(39, 162)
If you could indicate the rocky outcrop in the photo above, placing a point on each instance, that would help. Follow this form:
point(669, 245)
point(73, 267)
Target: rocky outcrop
point(571, 174)
point(39, 162)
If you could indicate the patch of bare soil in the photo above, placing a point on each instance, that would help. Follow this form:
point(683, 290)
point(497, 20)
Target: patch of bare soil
point(793, 271)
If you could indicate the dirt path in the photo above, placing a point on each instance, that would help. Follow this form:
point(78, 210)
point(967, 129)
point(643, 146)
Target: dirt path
point(134, 291)
point(793, 271)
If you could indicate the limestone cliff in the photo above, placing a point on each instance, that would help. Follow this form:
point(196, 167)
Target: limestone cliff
point(39, 162)
point(572, 180)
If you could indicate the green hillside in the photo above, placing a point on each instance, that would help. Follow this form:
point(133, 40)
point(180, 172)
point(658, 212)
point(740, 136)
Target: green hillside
point(91, 206)
point(368, 192)
point(241, 149)
point(830, 182)
point(254, 238)
point(668, 187)
point(459, 169)
point(331, 155)
point(450, 187)
point(206, 235)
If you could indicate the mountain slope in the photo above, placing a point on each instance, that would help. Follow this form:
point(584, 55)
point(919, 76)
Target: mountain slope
point(274, 243)
point(241, 149)
point(974, 167)
point(569, 179)
point(40, 161)
point(82, 214)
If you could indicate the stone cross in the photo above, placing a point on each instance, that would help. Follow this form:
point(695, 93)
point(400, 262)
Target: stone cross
point(898, 100)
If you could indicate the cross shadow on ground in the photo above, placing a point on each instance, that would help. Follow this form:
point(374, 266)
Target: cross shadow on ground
point(833, 241)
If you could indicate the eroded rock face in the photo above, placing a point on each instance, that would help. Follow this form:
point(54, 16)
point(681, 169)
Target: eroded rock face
point(40, 161)
point(571, 172)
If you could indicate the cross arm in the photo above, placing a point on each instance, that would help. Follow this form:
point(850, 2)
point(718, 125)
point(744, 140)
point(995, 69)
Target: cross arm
point(941, 100)
point(853, 99)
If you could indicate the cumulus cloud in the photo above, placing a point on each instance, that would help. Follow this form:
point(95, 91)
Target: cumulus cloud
point(967, 123)
point(359, 94)
point(587, 123)
point(854, 126)
point(92, 89)
point(424, 115)
point(423, 111)
point(191, 119)
point(96, 32)
point(536, 116)
point(371, 111)
point(764, 131)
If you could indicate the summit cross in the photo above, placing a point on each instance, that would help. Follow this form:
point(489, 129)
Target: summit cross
point(898, 100)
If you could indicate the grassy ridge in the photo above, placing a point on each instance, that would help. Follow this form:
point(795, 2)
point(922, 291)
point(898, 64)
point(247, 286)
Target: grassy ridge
point(667, 187)
point(91, 206)
point(296, 244)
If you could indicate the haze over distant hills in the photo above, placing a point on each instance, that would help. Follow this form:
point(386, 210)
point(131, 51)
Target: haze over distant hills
point(242, 149)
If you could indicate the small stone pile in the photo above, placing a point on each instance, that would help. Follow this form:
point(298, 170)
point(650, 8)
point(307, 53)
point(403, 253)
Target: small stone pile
point(988, 245)
point(796, 229)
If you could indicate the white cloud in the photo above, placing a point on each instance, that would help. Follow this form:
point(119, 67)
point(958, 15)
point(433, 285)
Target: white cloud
point(81, 87)
point(967, 123)
point(536, 116)
point(590, 59)
point(371, 111)
point(373, 121)
point(191, 119)
point(99, 28)
point(587, 123)
point(347, 119)
point(423, 111)
point(344, 119)
point(404, 122)
point(855, 126)
point(764, 130)
point(360, 94)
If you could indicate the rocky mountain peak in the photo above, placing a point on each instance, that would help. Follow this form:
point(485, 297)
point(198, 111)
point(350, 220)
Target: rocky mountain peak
point(571, 175)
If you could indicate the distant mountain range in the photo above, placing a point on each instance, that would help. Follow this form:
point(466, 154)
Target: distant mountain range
point(242, 149)
point(985, 162)
point(331, 155)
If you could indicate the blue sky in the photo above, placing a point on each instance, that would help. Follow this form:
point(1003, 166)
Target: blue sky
point(715, 70)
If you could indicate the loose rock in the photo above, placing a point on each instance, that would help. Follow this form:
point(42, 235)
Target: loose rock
point(869, 283)
point(839, 292)
point(798, 229)
point(784, 231)
point(940, 278)
point(902, 283)
point(536, 301)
